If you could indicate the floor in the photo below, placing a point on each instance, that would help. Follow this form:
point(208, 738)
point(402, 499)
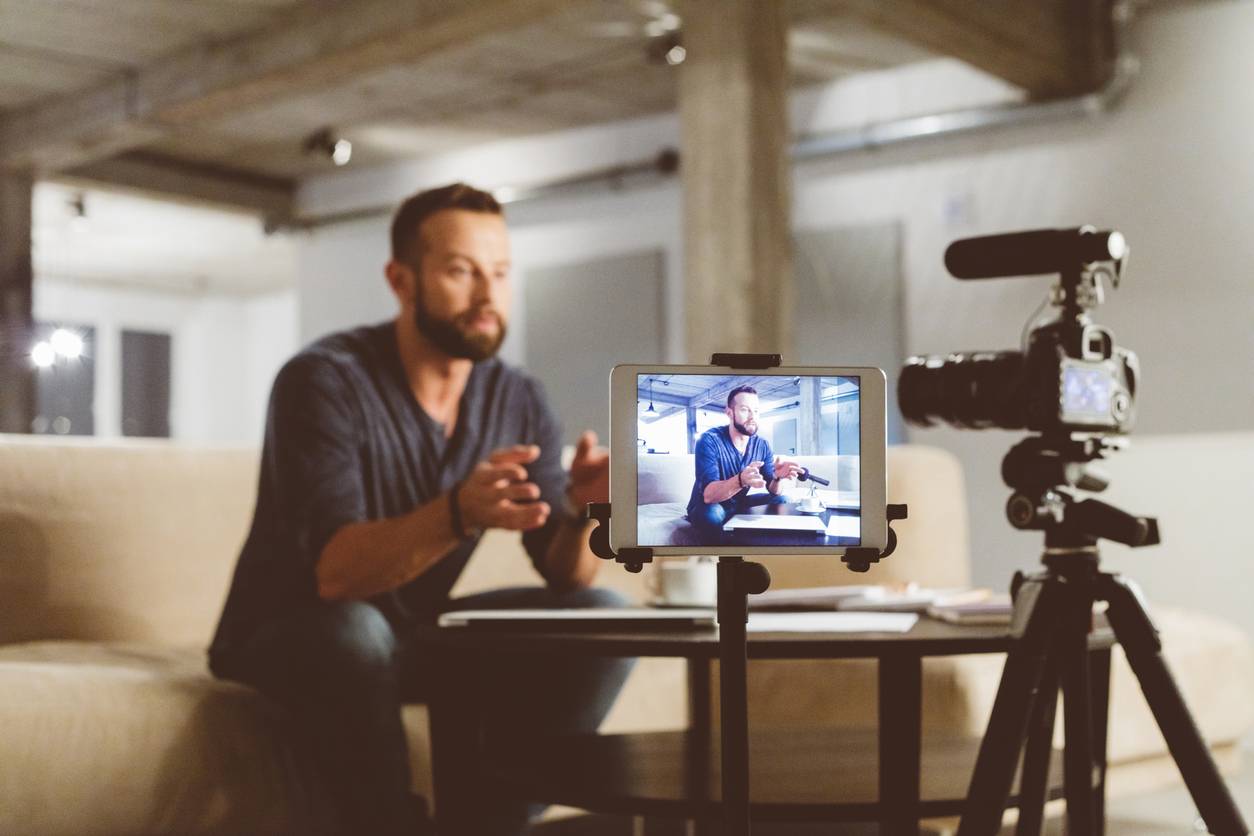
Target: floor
point(1167, 812)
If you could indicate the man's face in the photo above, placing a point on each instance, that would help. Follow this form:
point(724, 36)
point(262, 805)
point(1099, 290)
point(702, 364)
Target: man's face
point(744, 413)
point(462, 290)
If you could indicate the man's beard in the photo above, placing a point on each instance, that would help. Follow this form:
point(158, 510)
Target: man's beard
point(744, 429)
point(454, 337)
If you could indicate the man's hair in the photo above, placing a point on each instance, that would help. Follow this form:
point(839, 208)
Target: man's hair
point(731, 396)
point(407, 222)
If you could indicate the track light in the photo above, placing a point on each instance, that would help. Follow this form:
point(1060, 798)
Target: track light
point(327, 143)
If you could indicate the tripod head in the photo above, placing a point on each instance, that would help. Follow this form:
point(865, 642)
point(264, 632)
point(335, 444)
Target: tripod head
point(1043, 470)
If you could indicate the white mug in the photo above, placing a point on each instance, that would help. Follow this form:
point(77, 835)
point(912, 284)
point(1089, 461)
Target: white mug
point(686, 583)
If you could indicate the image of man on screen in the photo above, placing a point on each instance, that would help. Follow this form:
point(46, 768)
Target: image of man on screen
point(730, 462)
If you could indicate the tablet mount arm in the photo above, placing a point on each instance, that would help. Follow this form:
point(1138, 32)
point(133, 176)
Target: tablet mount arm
point(737, 580)
point(634, 558)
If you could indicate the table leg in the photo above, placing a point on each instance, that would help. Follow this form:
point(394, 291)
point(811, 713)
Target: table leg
point(455, 744)
point(698, 755)
point(900, 733)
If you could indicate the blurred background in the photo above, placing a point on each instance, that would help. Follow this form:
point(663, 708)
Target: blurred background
point(189, 192)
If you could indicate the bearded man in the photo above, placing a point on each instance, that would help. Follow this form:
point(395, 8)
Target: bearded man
point(388, 450)
point(730, 462)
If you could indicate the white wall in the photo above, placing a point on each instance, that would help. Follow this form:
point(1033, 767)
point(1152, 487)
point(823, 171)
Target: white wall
point(213, 279)
point(1171, 169)
point(225, 351)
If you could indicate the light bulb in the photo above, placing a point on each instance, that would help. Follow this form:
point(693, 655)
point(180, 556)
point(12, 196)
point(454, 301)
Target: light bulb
point(66, 343)
point(43, 355)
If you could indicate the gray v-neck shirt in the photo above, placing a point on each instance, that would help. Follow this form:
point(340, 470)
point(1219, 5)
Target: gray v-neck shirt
point(346, 441)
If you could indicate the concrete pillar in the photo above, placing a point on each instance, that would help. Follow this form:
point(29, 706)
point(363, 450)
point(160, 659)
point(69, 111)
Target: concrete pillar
point(17, 376)
point(809, 417)
point(733, 110)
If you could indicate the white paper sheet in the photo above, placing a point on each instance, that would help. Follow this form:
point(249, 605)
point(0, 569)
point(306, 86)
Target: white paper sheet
point(459, 618)
point(838, 526)
point(774, 522)
point(831, 622)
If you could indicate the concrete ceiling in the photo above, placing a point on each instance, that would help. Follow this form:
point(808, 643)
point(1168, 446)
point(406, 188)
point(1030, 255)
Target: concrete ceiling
point(212, 100)
point(568, 64)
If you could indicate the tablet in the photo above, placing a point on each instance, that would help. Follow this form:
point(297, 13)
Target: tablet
point(720, 461)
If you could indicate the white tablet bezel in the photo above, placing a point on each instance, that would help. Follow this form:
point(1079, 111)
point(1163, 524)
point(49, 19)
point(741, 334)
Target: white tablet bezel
point(624, 452)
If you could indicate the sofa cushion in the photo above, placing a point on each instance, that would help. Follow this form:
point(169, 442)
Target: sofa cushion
point(119, 541)
point(127, 739)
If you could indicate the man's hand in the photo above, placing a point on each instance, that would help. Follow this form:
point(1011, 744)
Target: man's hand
point(751, 476)
point(497, 494)
point(787, 470)
point(589, 472)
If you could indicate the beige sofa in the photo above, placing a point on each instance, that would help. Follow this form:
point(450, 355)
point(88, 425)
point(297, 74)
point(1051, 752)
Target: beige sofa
point(114, 561)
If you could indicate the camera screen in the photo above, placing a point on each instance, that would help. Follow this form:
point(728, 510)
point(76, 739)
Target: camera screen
point(748, 460)
point(1086, 391)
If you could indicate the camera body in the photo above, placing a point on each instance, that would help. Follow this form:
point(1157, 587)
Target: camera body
point(1070, 377)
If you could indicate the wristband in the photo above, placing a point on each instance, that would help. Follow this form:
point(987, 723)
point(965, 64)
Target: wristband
point(572, 514)
point(455, 513)
point(740, 479)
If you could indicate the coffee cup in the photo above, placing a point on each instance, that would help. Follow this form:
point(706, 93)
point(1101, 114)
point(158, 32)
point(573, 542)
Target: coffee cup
point(685, 583)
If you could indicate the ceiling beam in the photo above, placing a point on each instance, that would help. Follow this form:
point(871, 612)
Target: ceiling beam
point(272, 198)
point(1051, 48)
point(303, 52)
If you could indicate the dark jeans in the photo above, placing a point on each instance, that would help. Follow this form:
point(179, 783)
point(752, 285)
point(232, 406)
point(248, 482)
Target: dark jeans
point(709, 519)
point(342, 673)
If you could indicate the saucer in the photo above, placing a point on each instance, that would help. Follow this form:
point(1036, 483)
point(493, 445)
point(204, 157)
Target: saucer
point(661, 604)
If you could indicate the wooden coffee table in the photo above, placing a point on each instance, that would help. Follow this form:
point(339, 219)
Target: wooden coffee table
point(803, 775)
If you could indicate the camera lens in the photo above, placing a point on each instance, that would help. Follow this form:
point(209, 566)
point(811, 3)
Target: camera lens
point(970, 390)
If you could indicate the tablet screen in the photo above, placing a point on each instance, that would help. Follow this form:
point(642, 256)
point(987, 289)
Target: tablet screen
point(749, 460)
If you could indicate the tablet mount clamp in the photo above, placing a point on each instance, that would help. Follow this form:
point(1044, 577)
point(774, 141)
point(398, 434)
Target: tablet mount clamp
point(737, 580)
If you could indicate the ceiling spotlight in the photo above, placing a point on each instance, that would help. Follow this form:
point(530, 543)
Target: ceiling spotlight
point(666, 48)
point(43, 355)
point(341, 152)
point(326, 143)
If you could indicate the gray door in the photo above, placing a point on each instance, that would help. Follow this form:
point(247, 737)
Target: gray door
point(849, 303)
point(582, 320)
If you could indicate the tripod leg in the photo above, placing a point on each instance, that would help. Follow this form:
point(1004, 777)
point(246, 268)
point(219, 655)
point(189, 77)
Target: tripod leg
point(1077, 718)
point(1034, 782)
point(1034, 615)
point(1099, 676)
point(1139, 638)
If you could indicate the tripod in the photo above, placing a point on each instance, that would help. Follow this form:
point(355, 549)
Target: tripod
point(1051, 622)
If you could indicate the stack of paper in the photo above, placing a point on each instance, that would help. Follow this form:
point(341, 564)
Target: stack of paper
point(831, 622)
point(974, 609)
point(809, 598)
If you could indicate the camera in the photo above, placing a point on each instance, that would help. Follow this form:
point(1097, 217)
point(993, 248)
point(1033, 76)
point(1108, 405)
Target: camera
point(1069, 377)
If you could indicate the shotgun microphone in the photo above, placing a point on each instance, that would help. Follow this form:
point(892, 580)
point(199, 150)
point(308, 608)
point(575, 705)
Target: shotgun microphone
point(1032, 253)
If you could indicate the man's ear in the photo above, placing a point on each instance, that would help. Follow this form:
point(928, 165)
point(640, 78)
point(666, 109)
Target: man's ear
point(402, 279)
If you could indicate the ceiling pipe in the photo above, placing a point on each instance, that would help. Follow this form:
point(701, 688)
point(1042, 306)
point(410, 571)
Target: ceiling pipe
point(878, 136)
